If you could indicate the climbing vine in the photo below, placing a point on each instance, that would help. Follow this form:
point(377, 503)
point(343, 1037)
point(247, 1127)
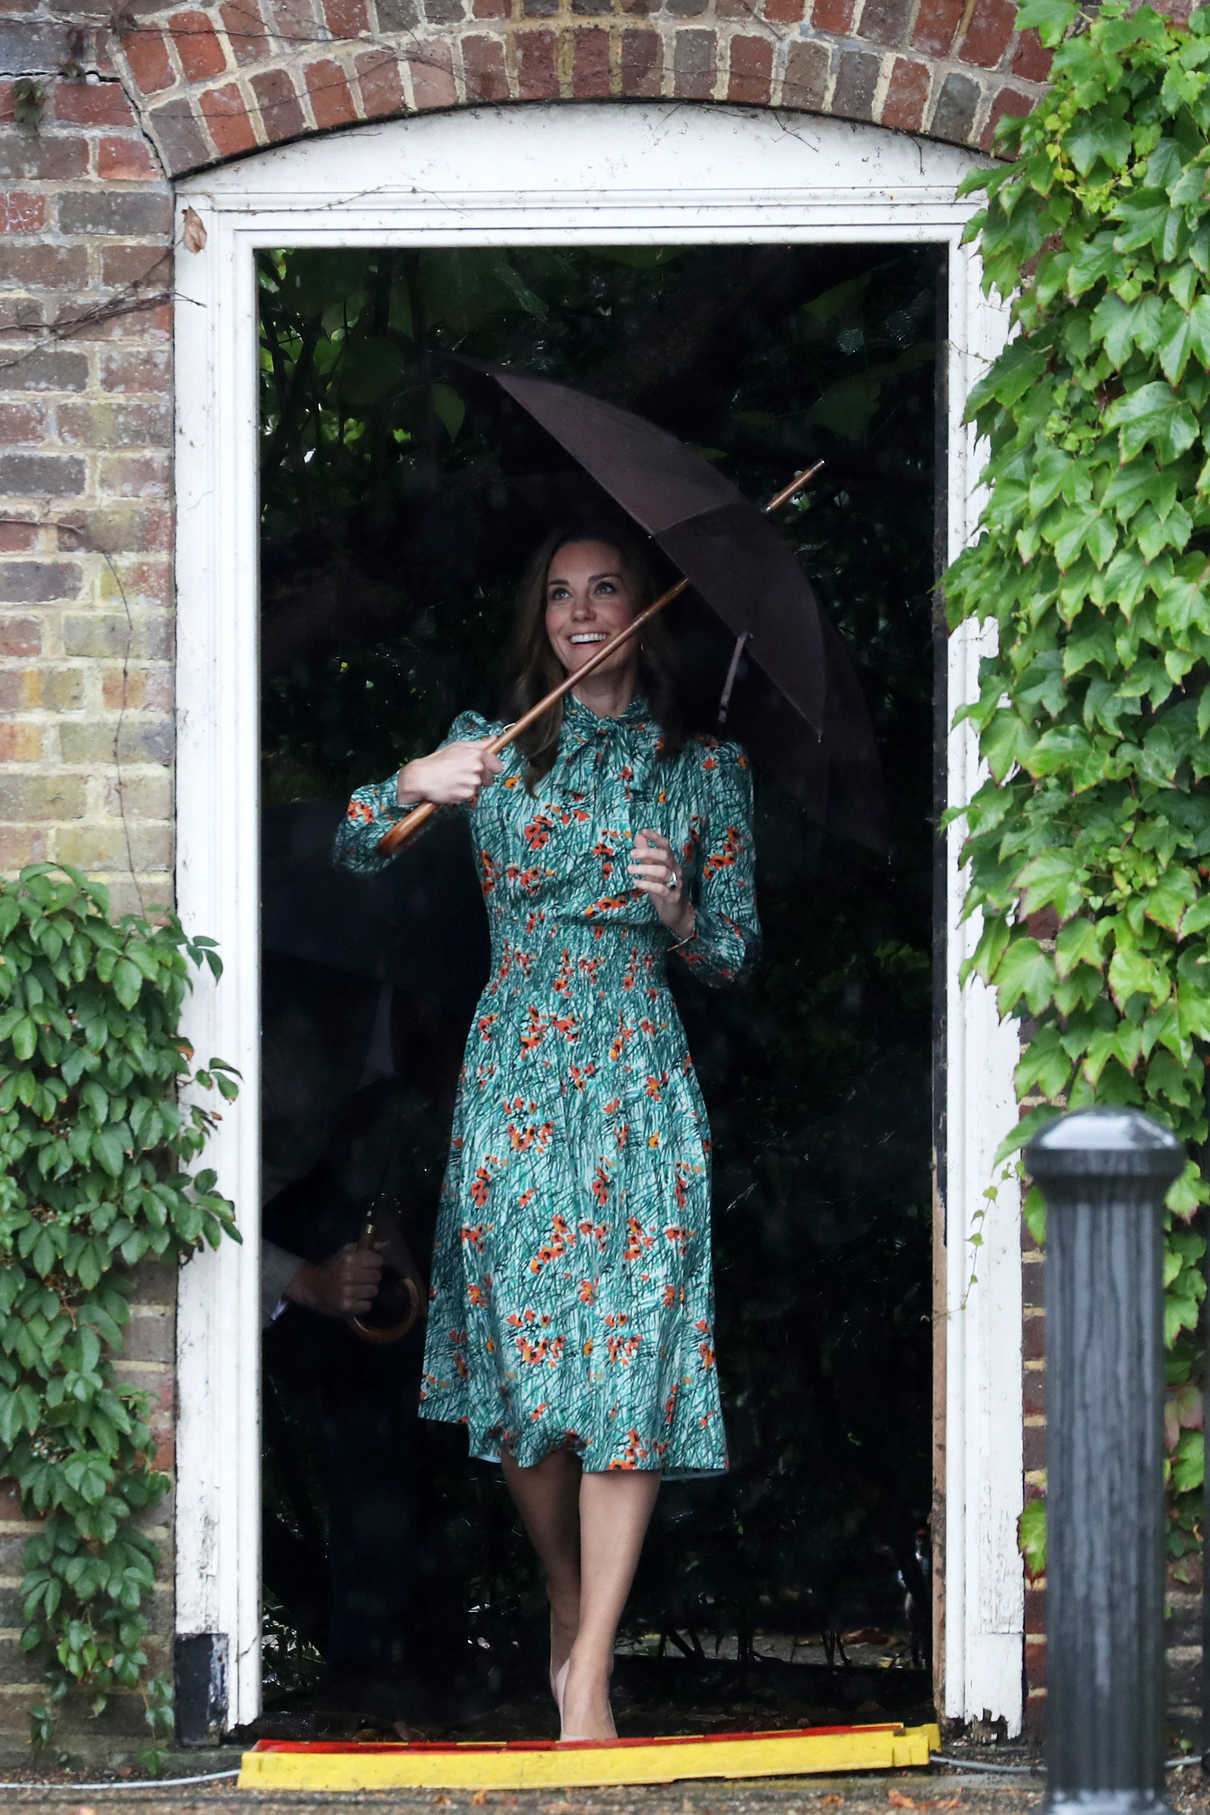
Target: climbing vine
point(96, 1151)
point(1089, 846)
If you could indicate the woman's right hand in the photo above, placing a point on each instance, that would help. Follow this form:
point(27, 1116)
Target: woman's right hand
point(448, 776)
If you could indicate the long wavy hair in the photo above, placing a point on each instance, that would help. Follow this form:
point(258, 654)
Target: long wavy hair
point(536, 668)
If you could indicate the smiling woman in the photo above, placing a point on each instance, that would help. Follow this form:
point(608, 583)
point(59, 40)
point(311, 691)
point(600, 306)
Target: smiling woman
point(570, 1327)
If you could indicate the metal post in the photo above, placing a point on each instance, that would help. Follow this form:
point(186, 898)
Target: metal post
point(1104, 1174)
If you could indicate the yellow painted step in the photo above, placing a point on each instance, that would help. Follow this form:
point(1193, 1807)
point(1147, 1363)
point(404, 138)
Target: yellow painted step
point(543, 1764)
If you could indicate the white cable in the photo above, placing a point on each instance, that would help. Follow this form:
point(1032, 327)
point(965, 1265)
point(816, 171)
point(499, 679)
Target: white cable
point(142, 1783)
point(971, 1764)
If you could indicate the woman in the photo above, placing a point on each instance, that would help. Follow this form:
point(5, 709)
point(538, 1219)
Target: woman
point(571, 1305)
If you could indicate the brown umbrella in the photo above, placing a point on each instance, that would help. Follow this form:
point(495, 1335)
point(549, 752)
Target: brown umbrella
point(735, 560)
point(729, 551)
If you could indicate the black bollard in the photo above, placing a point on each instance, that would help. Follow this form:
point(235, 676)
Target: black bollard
point(1104, 1174)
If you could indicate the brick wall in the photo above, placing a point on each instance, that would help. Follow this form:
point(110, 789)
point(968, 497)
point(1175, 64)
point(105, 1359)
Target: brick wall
point(95, 120)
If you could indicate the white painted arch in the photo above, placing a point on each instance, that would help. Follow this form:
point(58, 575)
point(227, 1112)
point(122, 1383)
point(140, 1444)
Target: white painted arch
point(575, 173)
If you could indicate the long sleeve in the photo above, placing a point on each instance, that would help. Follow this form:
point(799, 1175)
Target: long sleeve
point(374, 809)
point(726, 931)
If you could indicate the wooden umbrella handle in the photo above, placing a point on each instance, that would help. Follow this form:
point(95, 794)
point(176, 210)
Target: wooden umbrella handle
point(402, 830)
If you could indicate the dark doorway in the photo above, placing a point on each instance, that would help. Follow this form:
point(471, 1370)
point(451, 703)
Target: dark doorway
point(392, 539)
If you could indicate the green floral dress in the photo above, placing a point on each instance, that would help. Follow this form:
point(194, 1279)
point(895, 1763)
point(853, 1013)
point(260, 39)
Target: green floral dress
point(571, 1302)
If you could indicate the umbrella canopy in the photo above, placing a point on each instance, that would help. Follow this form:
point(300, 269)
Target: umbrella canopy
point(824, 749)
point(728, 550)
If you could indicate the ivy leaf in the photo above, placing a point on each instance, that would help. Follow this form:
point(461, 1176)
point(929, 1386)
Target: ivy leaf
point(127, 982)
point(1031, 1538)
point(1152, 415)
point(1166, 903)
point(1078, 942)
point(1005, 743)
point(1102, 137)
point(106, 1147)
point(1025, 971)
point(1132, 973)
point(1054, 879)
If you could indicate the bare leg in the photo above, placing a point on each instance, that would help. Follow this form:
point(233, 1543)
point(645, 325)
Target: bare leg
point(615, 1510)
point(547, 1498)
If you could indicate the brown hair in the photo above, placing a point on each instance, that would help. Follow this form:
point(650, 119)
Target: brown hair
point(536, 668)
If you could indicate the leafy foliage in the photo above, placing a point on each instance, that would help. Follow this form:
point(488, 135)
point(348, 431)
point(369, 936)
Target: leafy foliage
point(1089, 847)
point(95, 1151)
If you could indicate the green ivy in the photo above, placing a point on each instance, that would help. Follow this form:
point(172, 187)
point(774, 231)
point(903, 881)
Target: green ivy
point(1089, 847)
point(95, 1157)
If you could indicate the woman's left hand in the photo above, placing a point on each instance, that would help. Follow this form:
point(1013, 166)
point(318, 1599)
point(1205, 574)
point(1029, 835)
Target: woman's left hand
point(656, 870)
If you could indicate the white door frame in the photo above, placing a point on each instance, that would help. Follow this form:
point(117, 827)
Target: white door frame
point(586, 174)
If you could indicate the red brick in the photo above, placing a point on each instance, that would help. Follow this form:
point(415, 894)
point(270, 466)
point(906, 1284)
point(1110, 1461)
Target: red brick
point(695, 65)
point(10, 1502)
point(1035, 1663)
point(19, 636)
point(43, 475)
point(147, 54)
point(114, 422)
point(226, 115)
point(134, 475)
point(907, 96)
point(642, 63)
point(806, 78)
point(197, 45)
point(86, 104)
point(246, 30)
point(433, 76)
point(1008, 101)
point(751, 71)
point(42, 266)
point(833, 15)
point(179, 135)
point(346, 18)
point(139, 213)
point(137, 689)
point(331, 102)
point(125, 161)
point(39, 582)
point(935, 27)
point(785, 12)
point(20, 743)
point(856, 85)
point(987, 35)
point(281, 114)
point(381, 88)
point(1032, 60)
point(22, 212)
point(537, 77)
point(590, 76)
point(483, 61)
point(136, 265)
point(135, 371)
point(1033, 1339)
point(295, 21)
point(16, 538)
point(490, 9)
point(46, 369)
point(24, 158)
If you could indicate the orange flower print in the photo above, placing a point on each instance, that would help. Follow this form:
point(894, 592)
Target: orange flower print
point(569, 1213)
point(637, 1241)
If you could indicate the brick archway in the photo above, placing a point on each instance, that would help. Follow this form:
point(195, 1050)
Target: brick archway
point(213, 83)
